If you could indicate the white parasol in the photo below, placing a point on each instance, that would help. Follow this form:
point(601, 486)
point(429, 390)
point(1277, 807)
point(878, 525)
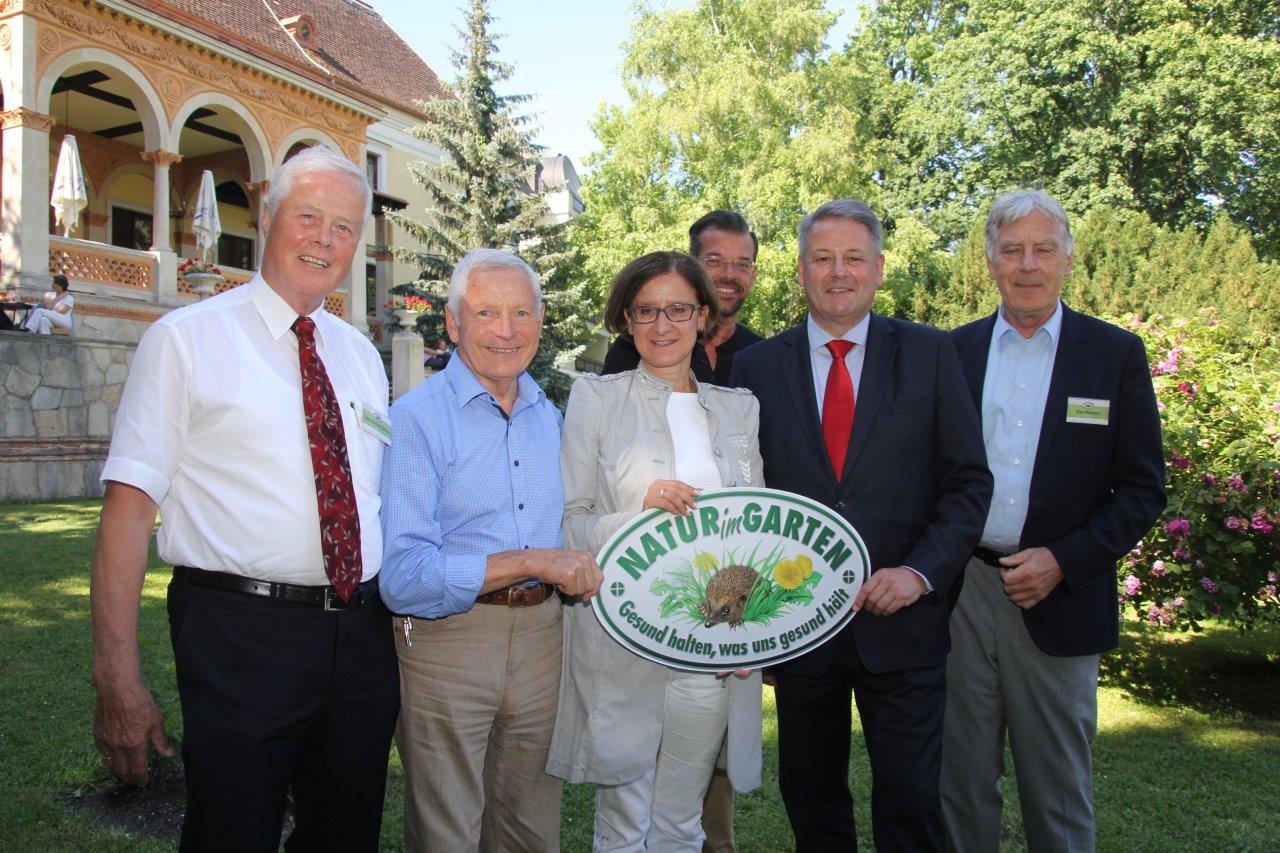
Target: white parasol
point(69, 194)
point(205, 222)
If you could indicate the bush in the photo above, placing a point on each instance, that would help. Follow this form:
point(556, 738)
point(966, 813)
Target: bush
point(1214, 551)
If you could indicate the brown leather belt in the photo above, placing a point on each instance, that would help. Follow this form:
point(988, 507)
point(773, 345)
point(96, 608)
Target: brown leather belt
point(520, 595)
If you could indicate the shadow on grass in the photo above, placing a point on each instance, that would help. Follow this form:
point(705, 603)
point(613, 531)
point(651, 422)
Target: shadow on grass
point(1221, 672)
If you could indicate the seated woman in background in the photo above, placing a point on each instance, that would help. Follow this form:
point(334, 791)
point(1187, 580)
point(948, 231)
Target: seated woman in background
point(648, 736)
point(54, 309)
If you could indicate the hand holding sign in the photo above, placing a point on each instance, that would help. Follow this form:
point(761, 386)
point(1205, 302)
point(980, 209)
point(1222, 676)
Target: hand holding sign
point(672, 495)
point(571, 572)
point(889, 590)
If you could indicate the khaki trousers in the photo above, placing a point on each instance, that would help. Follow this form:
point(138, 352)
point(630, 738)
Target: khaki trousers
point(478, 704)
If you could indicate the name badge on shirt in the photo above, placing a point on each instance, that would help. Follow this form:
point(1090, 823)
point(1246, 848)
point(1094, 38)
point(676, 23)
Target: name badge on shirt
point(374, 422)
point(1083, 410)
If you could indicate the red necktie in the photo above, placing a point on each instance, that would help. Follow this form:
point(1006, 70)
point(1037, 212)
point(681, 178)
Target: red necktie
point(838, 406)
point(335, 495)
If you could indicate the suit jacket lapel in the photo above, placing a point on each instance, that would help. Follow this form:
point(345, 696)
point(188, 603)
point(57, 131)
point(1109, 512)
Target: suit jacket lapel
point(877, 367)
point(974, 353)
point(1066, 364)
point(797, 372)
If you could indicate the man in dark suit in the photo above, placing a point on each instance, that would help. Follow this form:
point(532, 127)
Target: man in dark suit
point(1073, 441)
point(870, 416)
point(725, 245)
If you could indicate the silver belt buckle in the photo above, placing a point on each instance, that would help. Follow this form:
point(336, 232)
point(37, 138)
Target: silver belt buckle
point(332, 602)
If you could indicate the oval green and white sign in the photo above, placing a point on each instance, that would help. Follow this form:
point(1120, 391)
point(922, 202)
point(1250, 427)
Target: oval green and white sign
point(753, 577)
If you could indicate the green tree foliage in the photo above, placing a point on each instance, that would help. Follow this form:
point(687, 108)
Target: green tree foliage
point(481, 197)
point(1166, 107)
point(734, 104)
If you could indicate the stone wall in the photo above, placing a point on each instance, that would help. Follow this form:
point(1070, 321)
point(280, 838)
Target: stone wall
point(60, 396)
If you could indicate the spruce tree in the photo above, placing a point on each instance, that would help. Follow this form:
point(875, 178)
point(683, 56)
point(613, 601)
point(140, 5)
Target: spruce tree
point(482, 196)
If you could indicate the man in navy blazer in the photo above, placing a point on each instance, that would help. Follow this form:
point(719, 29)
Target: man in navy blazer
point(911, 476)
point(1073, 440)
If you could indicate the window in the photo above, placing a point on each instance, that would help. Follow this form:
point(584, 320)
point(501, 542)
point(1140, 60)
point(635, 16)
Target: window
point(235, 251)
point(130, 229)
point(371, 289)
point(371, 164)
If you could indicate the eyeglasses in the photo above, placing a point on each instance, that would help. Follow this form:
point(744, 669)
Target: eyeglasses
point(677, 312)
point(715, 264)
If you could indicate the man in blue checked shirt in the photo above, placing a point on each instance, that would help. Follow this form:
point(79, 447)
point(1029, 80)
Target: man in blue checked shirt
point(472, 502)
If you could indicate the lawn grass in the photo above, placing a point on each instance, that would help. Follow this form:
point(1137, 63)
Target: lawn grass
point(1186, 757)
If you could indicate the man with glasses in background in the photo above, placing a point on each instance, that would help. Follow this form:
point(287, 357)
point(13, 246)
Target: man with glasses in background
point(724, 244)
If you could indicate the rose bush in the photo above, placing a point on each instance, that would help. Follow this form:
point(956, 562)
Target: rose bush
point(1214, 552)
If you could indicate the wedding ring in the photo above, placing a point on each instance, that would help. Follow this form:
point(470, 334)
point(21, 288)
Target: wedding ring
point(662, 492)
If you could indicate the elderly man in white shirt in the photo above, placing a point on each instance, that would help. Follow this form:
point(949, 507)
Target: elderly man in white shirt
point(255, 422)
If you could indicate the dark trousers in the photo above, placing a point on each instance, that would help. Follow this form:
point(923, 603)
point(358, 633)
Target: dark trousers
point(278, 695)
point(901, 716)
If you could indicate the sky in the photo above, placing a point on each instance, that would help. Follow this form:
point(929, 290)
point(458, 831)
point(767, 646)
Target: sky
point(566, 55)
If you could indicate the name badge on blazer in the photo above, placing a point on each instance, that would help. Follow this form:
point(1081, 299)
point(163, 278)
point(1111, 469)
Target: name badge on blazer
point(1084, 410)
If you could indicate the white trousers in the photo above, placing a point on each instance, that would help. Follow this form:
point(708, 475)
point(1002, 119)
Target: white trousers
point(42, 320)
point(662, 810)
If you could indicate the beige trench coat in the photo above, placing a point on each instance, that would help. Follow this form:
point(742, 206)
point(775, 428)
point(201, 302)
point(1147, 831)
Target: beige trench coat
point(616, 442)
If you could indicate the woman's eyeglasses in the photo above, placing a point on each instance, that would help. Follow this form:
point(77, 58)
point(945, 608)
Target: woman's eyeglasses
point(677, 312)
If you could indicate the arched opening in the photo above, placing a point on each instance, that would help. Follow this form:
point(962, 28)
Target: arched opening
point(217, 137)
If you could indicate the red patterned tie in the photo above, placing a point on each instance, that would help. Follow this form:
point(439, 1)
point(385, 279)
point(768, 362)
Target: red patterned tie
point(335, 495)
point(838, 406)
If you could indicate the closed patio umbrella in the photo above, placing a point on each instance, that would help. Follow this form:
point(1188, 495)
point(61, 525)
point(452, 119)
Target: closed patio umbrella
point(69, 194)
point(205, 222)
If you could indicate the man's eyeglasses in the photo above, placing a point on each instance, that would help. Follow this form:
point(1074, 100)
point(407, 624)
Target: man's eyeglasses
point(677, 312)
point(715, 264)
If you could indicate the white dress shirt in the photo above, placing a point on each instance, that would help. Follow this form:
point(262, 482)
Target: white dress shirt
point(211, 427)
point(1013, 398)
point(820, 357)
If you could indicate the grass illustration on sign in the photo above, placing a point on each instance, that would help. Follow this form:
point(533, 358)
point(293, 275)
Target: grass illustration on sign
point(712, 590)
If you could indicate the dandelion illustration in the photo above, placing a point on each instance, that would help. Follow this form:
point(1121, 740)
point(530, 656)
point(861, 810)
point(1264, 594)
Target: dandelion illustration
point(706, 562)
point(788, 574)
point(805, 564)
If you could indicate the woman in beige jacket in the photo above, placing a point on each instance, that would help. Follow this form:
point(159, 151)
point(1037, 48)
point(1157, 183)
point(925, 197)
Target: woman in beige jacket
point(648, 736)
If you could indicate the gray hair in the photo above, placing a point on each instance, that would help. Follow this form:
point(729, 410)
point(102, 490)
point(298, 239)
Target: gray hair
point(1015, 205)
point(848, 209)
point(308, 161)
point(488, 259)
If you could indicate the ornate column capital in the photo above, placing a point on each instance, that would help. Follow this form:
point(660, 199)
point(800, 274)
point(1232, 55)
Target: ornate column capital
point(258, 188)
point(23, 117)
point(160, 157)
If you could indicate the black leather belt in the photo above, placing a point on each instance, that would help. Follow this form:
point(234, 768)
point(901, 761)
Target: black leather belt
point(316, 596)
point(991, 558)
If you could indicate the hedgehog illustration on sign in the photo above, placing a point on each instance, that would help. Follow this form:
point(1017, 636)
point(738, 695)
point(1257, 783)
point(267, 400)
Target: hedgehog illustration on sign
point(727, 595)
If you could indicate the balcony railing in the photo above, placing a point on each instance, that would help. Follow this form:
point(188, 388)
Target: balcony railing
point(84, 260)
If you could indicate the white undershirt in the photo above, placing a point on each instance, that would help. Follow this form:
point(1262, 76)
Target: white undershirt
point(691, 436)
